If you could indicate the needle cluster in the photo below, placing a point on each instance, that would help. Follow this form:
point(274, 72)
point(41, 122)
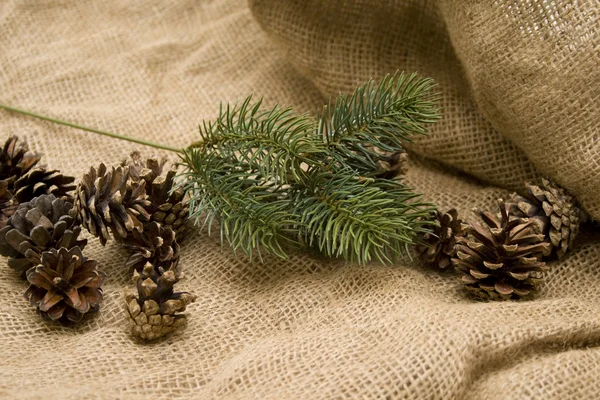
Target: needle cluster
point(278, 180)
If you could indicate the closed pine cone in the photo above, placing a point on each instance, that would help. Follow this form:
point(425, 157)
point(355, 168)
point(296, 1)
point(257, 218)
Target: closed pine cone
point(553, 211)
point(154, 310)
point(501, 259)
point(8, 205)
point(16, 160)
point(439, 246)
point(106, 199)
point(65, 286)
point(39, 181)
point(167, 203)
point(156, 244)
point(37, 226)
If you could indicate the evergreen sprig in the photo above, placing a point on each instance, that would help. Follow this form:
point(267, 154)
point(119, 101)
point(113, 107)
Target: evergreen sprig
point(277, 180)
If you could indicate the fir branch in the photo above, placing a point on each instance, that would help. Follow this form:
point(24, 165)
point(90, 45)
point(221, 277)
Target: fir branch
point(376, 119)
point(277, 180)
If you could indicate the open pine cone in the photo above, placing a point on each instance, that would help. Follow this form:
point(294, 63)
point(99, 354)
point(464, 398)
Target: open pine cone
point(8, 205)
point(553, 212)
point(167, 204)
point(156, 244)
point(39, 181)
point(65, 286)
point(16, 160)
point(107, 199)
point(439, 246)
point(501, 259)
point(153, 311)
point(42, 224)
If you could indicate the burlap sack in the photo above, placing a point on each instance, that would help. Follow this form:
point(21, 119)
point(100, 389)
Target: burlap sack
point(520, 80)
point(283, 329)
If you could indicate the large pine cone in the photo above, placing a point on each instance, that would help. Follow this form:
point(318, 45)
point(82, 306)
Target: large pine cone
point(42, 224)
point(39, 181)
point(109, 200)
point(156, 245)
point(554, 212)
point(65, 286)
point(153, 311)
point(439, 246)
point(8, 205)
point(167, 203)
point(501, 259)
point(16, 160)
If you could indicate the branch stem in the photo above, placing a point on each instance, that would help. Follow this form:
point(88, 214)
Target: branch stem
point(98, 131)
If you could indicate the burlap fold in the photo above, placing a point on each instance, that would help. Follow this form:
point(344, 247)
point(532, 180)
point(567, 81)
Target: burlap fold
point(299, 328)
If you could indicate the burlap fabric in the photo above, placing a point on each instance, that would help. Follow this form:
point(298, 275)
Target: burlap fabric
point(518, 80)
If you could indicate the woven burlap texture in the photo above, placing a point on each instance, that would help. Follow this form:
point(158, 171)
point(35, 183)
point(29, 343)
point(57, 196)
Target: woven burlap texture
point(517, 84)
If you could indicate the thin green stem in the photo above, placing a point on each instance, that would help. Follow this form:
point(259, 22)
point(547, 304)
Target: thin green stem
point(85, 128)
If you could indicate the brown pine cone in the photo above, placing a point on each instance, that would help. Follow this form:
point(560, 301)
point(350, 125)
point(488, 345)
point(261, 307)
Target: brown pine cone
point(42, 224)
point(65, 286)
point(554, 212)
point(154, 310)
point(439, 246)
point(167, 204)
point(156, 245)
point(39, 181)
point(16, 160)
point(106, 199)
point(501, 259)
point(8, 205)
point(396, 165)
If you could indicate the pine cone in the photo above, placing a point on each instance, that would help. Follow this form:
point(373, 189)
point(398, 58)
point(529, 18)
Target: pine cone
point(107, 199)
point(42, 224)
point(156, 245)
point(39, 181)
point(16, 160)
point(396, 165)
point(501, 259)
point(152, 312)
point(65, 286)
point(8, 205)
point(553, 211)
point(167, 205)
point(439, 247)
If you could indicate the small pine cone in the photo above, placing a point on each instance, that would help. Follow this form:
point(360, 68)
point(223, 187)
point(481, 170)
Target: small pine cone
point(152, 311)
point(156, 244)
point(107, 199)
point(396, 165)
point(65, 286)
point(39, 181)
point(439, 246)
point(167, 204)
point(8, 205)
point(37, 226)
point(16, 160)
point(501, 259)
point(554, 212)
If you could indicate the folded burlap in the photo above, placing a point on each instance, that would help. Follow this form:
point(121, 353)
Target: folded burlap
point(520, 81)
point(306, 328)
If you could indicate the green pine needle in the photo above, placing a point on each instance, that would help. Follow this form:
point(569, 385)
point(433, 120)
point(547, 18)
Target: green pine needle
point(278, 181)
